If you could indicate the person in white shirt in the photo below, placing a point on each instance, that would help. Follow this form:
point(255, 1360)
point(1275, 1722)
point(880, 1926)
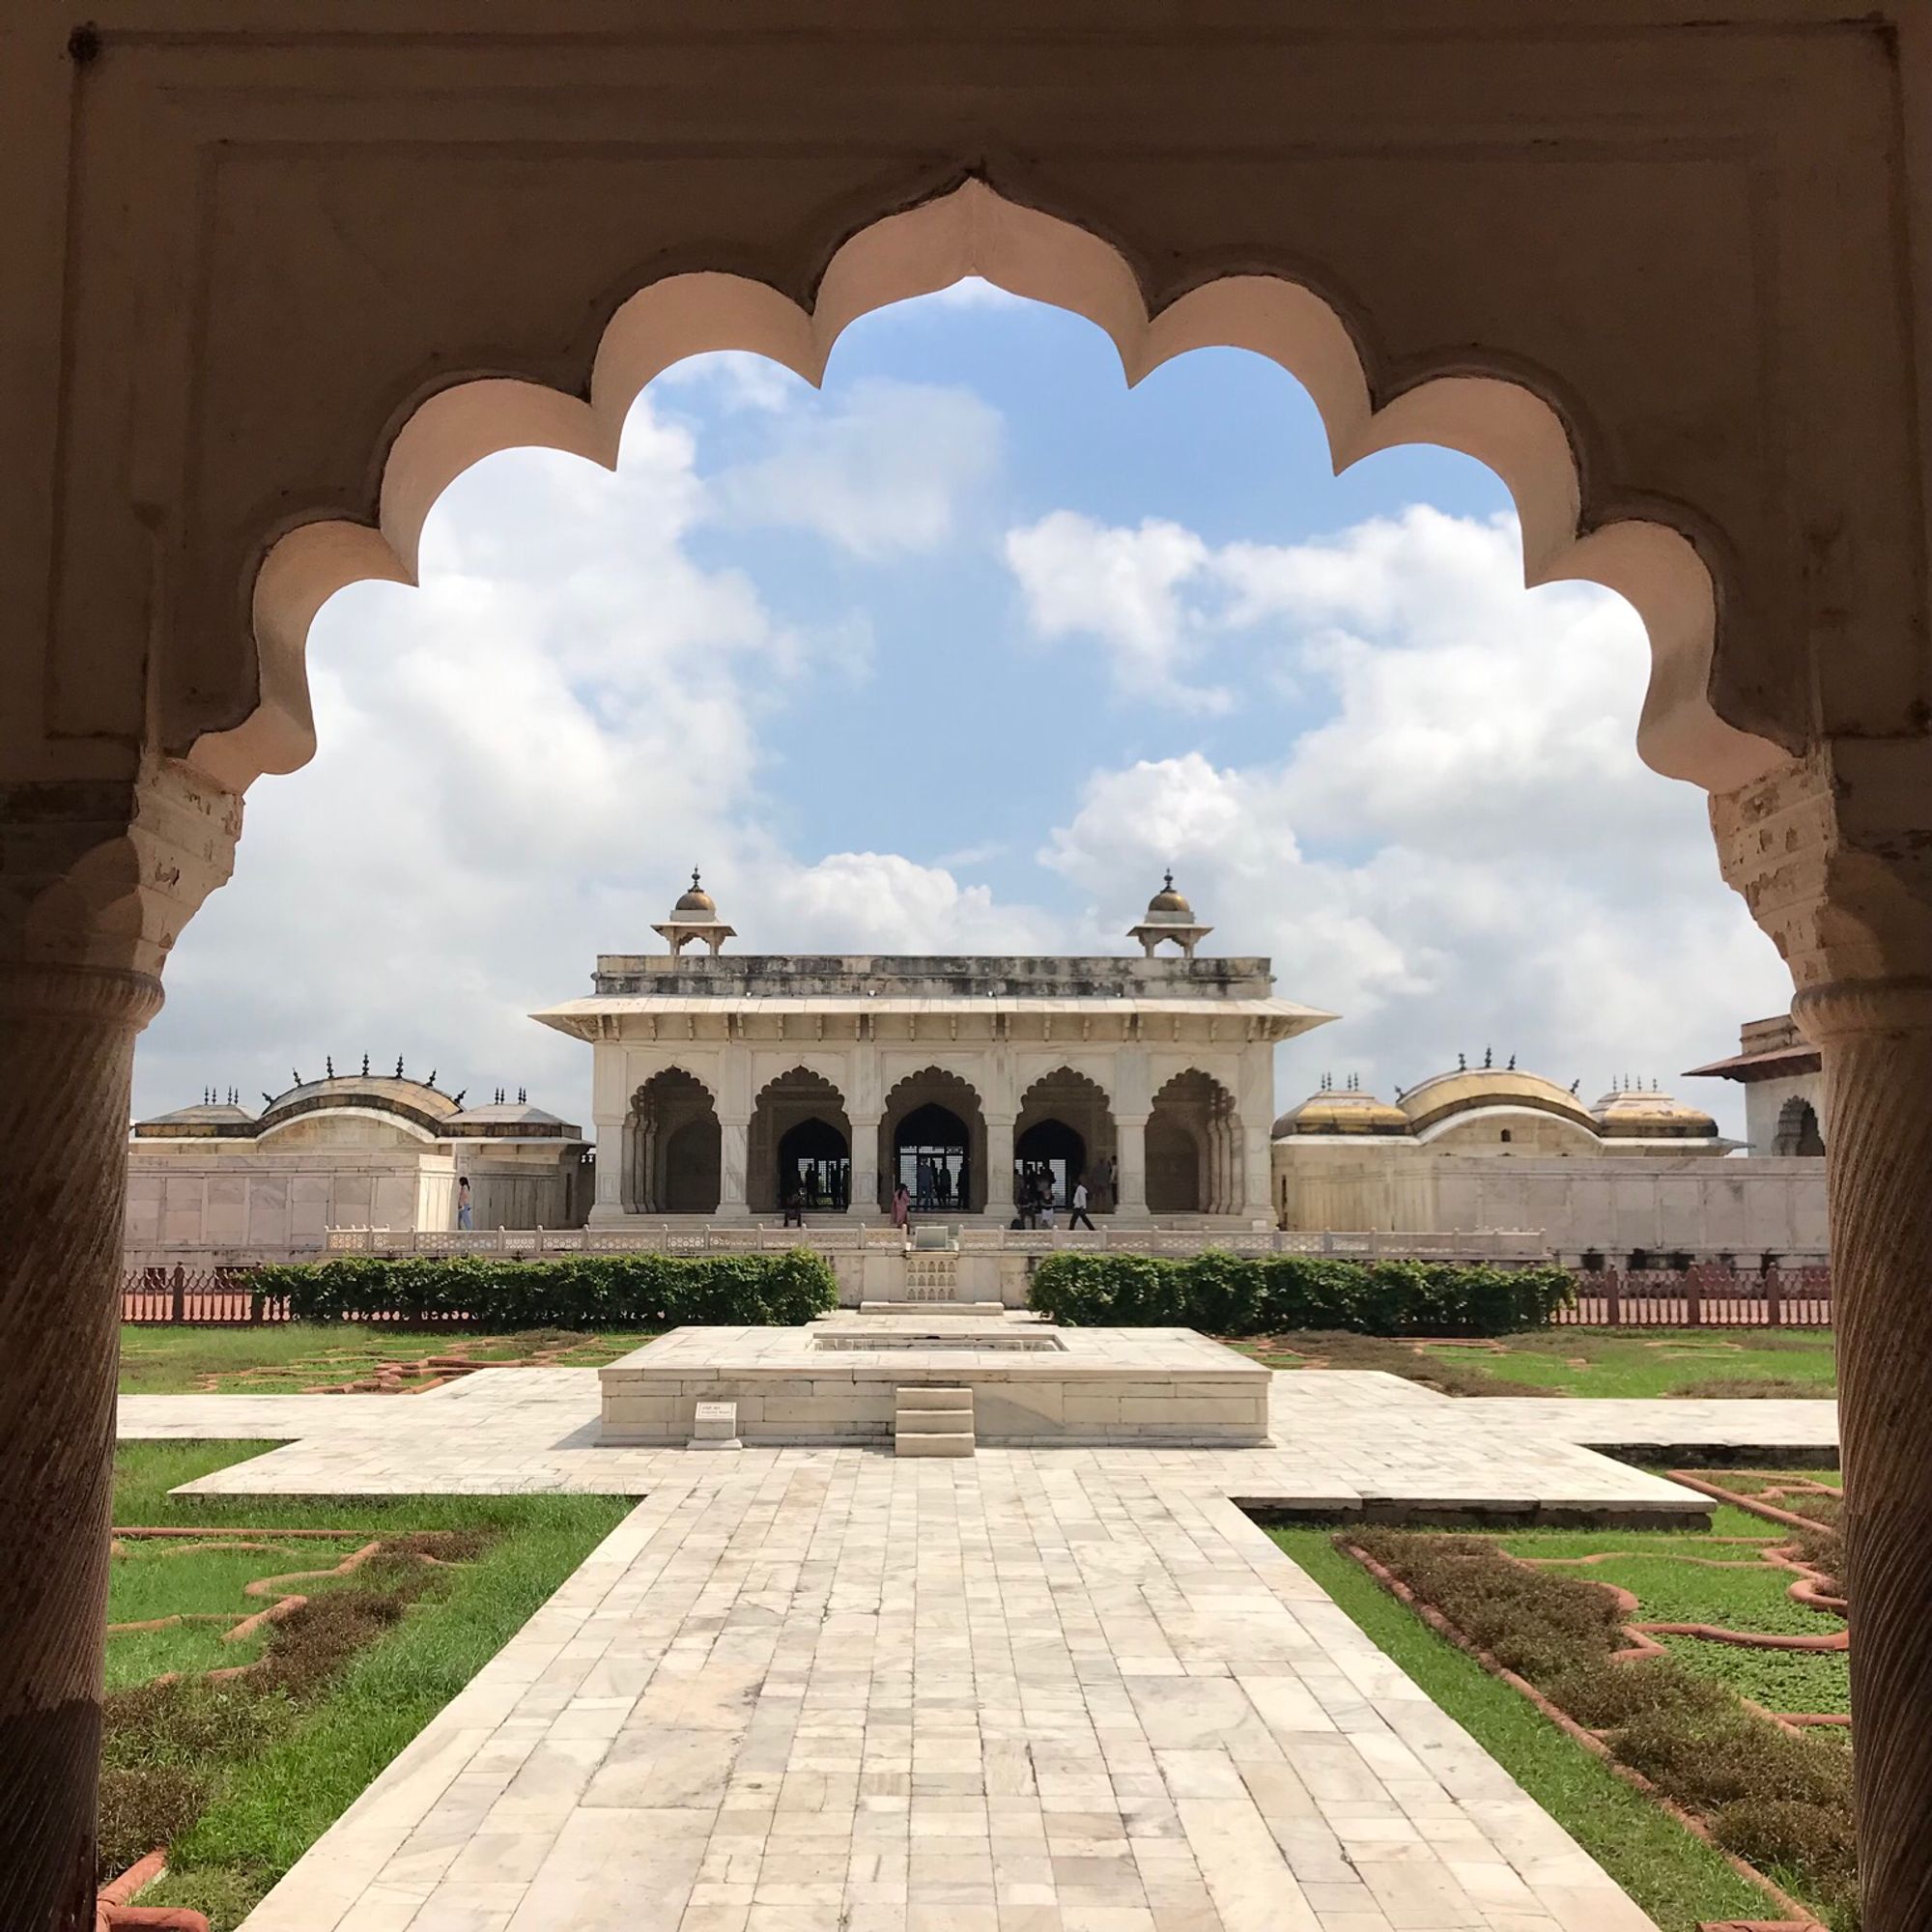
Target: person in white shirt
point(1080, 1214)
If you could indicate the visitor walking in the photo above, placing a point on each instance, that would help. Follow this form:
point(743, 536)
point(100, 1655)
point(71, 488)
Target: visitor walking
point(902, 1209)
point(464, 1216)
point(1080, 1214)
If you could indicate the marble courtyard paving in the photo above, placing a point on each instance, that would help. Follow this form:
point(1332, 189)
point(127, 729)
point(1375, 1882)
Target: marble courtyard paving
point(1039, 1691)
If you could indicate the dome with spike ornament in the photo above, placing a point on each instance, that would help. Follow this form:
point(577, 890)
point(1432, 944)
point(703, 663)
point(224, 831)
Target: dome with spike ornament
point(1169, 915)
point(694, 916)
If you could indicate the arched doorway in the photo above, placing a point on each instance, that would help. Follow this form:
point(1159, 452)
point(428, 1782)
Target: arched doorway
point(1049, 1158)
point(673, 1147)
point(1064, 1131)
point(814, 1167)
point(799, 1140)
point(1193, 1148)
point(932, 1138)
point(1798, 1129)
point(932, 1159)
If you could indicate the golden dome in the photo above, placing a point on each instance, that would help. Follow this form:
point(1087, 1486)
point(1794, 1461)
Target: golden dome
point(697, 899)
point(1343, 1110)
point(1168, 907)
point(1469, 1088)
point(1639, 1113)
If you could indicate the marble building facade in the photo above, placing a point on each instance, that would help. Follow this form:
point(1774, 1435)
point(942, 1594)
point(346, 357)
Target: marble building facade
point(729, 1085)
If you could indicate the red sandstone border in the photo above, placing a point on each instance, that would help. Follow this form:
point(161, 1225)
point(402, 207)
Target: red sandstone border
point(1801, 1918)
point(113, 1913)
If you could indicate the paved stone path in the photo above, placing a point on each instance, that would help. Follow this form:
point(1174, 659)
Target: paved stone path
point(1041, 1691)
point(1342, 1440)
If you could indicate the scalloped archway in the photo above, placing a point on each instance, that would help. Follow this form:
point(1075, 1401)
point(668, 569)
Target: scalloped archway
point(971, 230)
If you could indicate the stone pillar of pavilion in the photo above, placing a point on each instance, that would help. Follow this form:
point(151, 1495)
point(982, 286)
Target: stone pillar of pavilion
point(999, 1205)
point(1833, 854)
point(1130, 1130)
point(864, 1166)
point(734, 1145)
point(98, 878)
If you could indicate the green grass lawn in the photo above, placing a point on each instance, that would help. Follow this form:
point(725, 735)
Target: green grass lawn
point(290, 1357)
point(1679, 1881)
point(1580, 1361)
point(280, 1766)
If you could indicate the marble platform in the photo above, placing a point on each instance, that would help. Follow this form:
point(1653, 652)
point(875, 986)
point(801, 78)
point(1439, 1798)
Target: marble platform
point(1033, 1385)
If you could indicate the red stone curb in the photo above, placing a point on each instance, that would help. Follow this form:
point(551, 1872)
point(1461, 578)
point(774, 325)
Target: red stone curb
point(113, 1913)
point(1800, 1919)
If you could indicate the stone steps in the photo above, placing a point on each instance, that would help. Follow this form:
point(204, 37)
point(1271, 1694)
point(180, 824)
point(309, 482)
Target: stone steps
point(933, 1422)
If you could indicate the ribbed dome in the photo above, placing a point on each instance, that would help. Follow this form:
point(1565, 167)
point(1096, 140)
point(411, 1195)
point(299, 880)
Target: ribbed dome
point(206, 1117)
point(1168, 907)
point(1342, 1111)
point(1470, 1088)
point(1636, 1112)
point(507, 1117)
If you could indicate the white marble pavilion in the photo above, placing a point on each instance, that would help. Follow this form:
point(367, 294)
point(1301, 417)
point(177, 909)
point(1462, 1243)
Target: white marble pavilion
point(726, 1085)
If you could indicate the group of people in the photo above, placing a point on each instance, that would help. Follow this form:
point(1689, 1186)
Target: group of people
point(1034, 1203)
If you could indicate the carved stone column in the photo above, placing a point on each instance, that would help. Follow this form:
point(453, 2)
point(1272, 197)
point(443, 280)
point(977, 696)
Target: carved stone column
point(734, 1143)
point(1835, 855)
point(67, 1049)
point(998, 1188)
point(96, 879)
point(1132, 1129)
point(866, 1166)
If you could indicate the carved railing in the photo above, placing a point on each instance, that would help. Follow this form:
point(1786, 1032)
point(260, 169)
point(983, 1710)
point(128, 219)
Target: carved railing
point(680, 1237)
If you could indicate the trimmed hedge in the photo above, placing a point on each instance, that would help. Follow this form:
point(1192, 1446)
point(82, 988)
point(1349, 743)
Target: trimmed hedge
point(1269, 1295)
point(568, 1292)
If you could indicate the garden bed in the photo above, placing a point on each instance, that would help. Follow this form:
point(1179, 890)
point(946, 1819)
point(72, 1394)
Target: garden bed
point(268, 1657)
point(1708, 1671)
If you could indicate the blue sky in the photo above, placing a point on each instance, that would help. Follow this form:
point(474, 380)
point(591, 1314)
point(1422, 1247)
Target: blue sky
point(958, 653)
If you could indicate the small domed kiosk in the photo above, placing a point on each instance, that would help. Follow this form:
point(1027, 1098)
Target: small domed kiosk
point(694, 916)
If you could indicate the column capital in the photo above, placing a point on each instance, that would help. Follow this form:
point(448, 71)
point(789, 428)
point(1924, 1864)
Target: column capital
point(103, 874)
point(1831, 852)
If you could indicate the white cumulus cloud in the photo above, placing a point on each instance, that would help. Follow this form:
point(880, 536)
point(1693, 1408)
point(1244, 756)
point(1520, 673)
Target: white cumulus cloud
point(1464, 852)
point(886, 469)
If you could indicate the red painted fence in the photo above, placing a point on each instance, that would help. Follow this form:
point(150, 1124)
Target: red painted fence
point(157, 1298)
point(1698, 1298)
point(1701, 1298)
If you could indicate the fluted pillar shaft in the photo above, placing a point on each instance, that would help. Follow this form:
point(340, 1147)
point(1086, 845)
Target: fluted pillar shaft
point(66, 1047)
point(1877, 1046)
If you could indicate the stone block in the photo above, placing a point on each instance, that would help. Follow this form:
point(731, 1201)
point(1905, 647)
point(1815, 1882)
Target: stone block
point(714, 1425)
point(958, 1443)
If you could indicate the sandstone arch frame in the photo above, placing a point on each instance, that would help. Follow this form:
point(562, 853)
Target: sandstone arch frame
point(239, 258)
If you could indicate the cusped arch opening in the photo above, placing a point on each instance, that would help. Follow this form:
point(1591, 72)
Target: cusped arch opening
point(973, 231)
point(798, 1147)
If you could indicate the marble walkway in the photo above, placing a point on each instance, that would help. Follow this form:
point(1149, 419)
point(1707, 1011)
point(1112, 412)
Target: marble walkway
point(1039, 1691)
